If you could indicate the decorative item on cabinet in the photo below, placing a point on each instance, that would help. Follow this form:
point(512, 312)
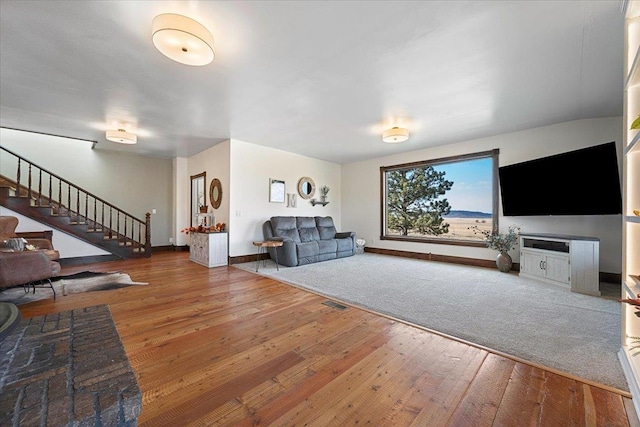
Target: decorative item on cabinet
point(220, 227)
point(636, 123)
point(205, 219)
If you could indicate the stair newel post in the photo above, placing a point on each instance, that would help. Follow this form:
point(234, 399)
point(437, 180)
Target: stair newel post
point(77, 204)
point(147, 233)
point(118, 225)
point(18, 178)
point(86, 206)
point(39, 187)
point(102, 219)
point(95, 212)
point(29, 182)
point(69, 199)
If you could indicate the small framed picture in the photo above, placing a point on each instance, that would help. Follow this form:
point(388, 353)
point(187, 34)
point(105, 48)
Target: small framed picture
point(276, 191)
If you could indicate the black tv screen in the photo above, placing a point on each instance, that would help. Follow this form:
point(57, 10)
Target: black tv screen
point(580, 182)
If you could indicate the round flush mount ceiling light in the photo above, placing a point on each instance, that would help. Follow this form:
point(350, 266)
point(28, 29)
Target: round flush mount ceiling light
point(395, 135)
point(182, 39)
point(121, 136)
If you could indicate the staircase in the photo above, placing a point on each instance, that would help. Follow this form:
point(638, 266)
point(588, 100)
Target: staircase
point(47, 198)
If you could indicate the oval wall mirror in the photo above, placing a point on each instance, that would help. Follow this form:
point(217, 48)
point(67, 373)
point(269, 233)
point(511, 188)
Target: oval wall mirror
point(306, 187)
point(215, 193)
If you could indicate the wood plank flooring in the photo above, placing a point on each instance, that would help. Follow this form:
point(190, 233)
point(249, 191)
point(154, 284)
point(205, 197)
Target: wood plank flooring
point(223, 346)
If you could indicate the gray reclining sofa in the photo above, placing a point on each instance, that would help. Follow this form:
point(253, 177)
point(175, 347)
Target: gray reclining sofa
point(307, 239)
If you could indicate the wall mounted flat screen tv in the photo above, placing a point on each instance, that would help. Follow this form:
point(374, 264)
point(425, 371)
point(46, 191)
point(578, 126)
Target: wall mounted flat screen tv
point(580, 182)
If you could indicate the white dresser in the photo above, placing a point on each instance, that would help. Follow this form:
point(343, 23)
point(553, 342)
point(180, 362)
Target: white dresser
point(209, 249)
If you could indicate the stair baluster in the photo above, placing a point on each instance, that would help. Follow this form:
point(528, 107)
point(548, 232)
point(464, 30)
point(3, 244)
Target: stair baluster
point(29, 182)
point(59, 197)
point(39, 202)
point(18, 179)
point(110, 222)
point(78, 206)
point(50, 186)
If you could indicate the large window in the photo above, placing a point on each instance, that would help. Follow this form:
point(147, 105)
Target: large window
point(442, 200)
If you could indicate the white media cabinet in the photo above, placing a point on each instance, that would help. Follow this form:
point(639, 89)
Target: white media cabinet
point(570, 261)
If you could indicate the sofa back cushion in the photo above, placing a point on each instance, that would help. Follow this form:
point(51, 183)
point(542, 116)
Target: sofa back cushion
point(285, 226)
point(307, 229)
point(325, 226)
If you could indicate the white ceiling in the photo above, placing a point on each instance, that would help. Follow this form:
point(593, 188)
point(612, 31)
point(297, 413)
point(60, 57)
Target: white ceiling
point(318, 78)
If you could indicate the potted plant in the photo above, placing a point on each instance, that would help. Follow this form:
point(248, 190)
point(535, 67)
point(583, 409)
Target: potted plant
point(324, 190)
point(501, 242)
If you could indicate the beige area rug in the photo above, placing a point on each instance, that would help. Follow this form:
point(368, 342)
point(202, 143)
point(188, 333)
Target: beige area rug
point(73, 284)
point(535, 321)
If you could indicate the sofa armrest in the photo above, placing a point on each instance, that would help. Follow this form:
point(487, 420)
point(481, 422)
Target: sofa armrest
point(18, 268)
point(345, 235)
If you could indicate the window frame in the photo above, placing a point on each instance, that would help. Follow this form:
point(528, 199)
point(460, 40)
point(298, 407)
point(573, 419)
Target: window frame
point(495, 203)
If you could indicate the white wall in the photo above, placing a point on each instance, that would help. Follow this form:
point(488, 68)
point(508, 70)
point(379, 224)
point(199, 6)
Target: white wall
point(68, 246)
point(134, 183)
point(251, 168)
point(181, 195)
point(361, 189)
point(215, 162)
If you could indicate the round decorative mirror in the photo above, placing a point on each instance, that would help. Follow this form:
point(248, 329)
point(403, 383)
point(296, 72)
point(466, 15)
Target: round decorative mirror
point(306, 187)
point(215, 193)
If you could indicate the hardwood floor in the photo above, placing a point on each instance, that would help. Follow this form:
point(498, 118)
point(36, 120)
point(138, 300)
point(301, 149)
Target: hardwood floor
point(222, 346)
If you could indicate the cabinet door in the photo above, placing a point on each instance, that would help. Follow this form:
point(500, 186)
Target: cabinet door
point(532, 263)
point(557, 268)
point(199, 249)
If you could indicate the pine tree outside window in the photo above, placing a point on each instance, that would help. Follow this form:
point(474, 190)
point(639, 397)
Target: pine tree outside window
point(437, 201)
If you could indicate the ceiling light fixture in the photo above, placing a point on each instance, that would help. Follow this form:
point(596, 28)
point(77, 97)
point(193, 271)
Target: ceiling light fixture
point(182, 39)
point(121, 136)
point(395, 134)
